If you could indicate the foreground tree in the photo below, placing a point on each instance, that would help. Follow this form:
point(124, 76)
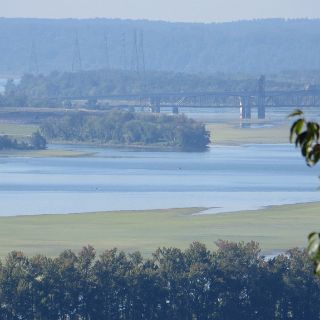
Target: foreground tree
point(306, 136)
point(234, 282)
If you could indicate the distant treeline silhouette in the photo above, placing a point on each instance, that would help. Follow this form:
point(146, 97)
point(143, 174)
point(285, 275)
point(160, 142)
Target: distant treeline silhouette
point(235, 282)
point(254, 47)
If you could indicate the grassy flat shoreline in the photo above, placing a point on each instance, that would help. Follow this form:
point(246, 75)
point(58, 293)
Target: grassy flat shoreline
point(232, 134)
point(47, 153)
point(275, 228)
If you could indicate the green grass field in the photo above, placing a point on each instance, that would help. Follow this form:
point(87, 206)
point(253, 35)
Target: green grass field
point(275, 228)
point(17, 130)
point(231, 133)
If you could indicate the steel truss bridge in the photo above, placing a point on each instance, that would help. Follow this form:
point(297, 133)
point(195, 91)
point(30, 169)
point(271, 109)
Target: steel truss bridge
point(245, 101)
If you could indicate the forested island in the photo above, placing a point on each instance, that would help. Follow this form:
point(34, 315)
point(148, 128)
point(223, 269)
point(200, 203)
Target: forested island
point(35, 142)
point(235, 282)
point(125, 128)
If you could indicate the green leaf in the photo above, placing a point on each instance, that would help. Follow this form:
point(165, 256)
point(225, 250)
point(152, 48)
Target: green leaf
point(301, 139)
point(313, 247)
point(295, 113)
point(317, 268)
point(312, 234)
point(296, 128)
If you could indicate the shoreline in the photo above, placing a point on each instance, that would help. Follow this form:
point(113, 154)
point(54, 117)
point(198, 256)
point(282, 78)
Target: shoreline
point(151, 147)
point(196, 211)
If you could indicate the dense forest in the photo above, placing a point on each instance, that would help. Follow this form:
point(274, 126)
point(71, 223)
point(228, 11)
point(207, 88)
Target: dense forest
point(255, 47)
point(129, 128)
point(234, 282)
point(53, 90)
point(35, 142)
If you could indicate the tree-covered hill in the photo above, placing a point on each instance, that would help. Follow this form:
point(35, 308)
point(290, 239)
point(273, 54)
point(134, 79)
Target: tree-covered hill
point(261, 46)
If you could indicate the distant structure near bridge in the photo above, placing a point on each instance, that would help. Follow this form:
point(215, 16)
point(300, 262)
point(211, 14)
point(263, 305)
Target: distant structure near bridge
point(247, 101)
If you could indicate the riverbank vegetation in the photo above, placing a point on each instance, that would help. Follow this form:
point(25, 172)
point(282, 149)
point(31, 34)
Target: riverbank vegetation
point(63, 89)
point(129, 128)
point(35, 142)
point(232, 282)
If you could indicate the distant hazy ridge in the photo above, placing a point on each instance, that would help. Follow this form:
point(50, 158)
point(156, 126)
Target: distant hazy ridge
point(249, 47)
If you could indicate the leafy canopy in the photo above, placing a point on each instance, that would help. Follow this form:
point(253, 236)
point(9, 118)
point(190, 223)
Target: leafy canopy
point(306, 136)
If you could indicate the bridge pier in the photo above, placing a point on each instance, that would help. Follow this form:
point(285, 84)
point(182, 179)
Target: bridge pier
point(262, 98)
point(155, 105)
point(261, 108)
point(245, 108)
point(175, 110)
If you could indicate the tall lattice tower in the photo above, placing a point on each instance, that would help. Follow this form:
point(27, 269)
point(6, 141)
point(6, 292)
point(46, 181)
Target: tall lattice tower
point(135, 53)
point(76, 60)
point(141, 53)
point(106, 52)
point(138, 57)
point(33, 59)
point(123, 60)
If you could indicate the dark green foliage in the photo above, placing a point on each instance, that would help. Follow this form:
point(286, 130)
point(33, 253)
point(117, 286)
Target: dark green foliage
point(36, 89)
point(7, 143)
point(36, 142)
point(307, 134)
point(234, 282)
point(53, 90)
point(129, 128)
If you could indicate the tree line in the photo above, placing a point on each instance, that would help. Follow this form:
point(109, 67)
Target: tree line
point(233, 282)
point(250, 47)
point(129, 128)
point(35, 142)
point(53, 90)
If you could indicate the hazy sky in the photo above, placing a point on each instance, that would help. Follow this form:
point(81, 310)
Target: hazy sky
point(170, 10)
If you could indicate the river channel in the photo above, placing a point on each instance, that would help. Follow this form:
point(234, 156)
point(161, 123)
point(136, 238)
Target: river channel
point(224, 179)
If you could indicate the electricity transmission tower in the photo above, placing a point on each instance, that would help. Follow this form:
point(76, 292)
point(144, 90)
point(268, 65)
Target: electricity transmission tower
point(141, 51)
point(123, 61)
point(107, 52)
point(138, 58)
point(33, 59)
point(76, 60)
point(135, 53)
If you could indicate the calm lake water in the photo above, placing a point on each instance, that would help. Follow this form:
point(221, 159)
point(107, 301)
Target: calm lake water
point(226, 179)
